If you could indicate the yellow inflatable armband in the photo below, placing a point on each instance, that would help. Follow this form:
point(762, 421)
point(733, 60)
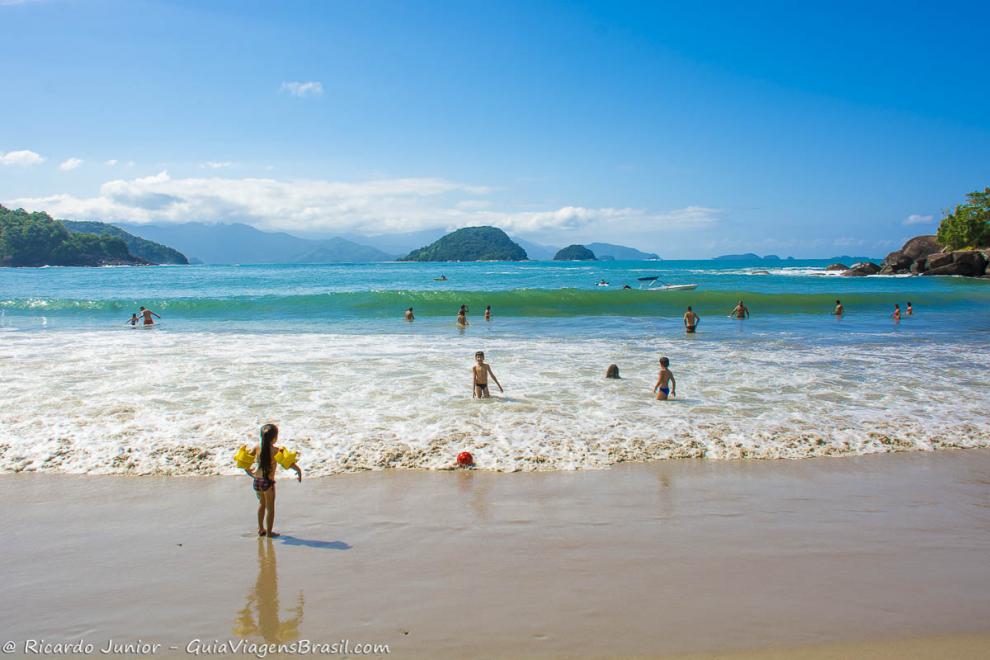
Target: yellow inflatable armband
point(244, 458)
point(285, 458)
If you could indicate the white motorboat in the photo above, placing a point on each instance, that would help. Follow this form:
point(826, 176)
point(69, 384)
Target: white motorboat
point(656, 284)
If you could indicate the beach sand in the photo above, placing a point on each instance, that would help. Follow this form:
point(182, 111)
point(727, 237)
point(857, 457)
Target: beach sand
point(879, 556)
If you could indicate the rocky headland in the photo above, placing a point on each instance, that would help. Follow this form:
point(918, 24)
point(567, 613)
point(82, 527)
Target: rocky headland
point(924, 255)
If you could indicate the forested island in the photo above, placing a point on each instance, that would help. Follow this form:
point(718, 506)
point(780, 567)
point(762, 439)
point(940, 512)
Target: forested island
point(37, 239)
point(470, 244)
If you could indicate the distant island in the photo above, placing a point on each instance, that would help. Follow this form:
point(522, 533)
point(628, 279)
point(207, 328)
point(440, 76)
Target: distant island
point(470, 244)
point(575, 253)
point(607, 251)
point(749, 256)
point(37, 239)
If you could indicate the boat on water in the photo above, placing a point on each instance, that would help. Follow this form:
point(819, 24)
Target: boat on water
point(654, 283)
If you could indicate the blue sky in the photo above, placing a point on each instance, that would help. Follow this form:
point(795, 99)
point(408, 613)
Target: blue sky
point(689, 129)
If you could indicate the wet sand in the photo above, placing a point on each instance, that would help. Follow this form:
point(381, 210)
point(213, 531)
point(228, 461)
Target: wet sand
point(881, 556)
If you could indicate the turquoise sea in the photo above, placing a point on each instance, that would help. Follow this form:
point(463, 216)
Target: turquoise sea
point(323, 350)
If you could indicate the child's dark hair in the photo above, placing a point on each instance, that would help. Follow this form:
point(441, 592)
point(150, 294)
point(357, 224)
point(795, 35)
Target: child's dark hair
point(268, 434)
point(612, 371)
point(689, 308)
point(664, 362)
point(479, 354)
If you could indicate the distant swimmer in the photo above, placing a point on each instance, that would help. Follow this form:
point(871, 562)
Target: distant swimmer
point(612, 371)
point(691, 320)
point(909, 310)
point(462, 321)
point(897, 312)
point(479, 377)
point(409, 315)
point(488, 313)
point(147, 314)
point(626, 286)
point(133, 321)
point(602, 283)
point(740, 311)
point(442, 278)
point(666, 383)
point(839, 309)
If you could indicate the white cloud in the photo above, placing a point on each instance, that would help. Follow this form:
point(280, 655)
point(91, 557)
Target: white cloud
point(111, 162)
point(70, 164)
point(303, 89)
point(216, 165)
point(378, 206)
point(915, 219)
point(21, 158)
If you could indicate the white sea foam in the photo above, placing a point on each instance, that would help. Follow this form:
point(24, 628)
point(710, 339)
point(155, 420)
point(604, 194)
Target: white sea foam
point(181, 403)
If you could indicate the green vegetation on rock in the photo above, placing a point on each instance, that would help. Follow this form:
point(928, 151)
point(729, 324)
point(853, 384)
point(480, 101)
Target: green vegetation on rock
point(35, 239)
point(968, 226)
point(139, 247)
point(574, 253)
point(470, 244)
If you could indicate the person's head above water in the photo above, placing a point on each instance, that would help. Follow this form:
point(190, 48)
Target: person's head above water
point(479, 356)
point(689, 308)
point(664, 362)
point(612, 371)
point(141, 309)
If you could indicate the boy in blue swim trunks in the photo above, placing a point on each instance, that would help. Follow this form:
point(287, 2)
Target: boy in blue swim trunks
point(666, 383)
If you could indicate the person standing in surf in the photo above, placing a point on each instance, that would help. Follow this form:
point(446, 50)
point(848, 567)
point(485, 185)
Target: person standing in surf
point(409, 315)
point(691, 320)
point(839, 310)
point(147, 314)
point(479, 377)
point(740, 311)
point(488, 313)
point(264, 478)
point(666, 383)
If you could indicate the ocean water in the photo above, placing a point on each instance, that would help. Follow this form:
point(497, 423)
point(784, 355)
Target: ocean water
point(323, 352)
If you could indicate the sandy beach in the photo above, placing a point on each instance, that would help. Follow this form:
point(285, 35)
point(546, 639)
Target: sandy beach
point(881, 556)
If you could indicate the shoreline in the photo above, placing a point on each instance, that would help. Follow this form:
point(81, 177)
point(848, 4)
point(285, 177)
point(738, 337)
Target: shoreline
point(673, 558)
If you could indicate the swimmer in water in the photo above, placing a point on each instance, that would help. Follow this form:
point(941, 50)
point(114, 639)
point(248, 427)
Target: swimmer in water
point(409, 315)
point(462, 321)
point(909, 310)
point(612, 371)
point(133, 321)
point(740, 311)
point(479, 377)
point(897, 312)
point(839, 310)
point(488, 313)
point(666, 383)
point(691, 320)
point(147, 314)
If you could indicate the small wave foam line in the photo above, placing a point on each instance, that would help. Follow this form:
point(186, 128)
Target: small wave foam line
point(181, 404)
point(517, 302)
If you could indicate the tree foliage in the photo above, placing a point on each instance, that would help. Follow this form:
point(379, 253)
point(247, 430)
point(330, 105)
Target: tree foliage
point(968, 225)
point(35, 239)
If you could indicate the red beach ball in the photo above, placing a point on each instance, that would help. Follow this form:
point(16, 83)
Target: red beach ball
point(465, 459)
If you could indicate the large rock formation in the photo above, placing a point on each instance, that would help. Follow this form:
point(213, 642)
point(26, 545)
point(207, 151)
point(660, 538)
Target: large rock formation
point(923, 255)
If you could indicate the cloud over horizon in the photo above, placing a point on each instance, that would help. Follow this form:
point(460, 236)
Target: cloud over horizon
point(21, 158)
point(70, 164)
point(379, 206)
point(915, 219)
point(303, 90)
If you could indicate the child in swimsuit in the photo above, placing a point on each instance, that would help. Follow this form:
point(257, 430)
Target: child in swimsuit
point(909, 310)
point(479, 377)
point(897, 312)
point(133, 321)
point(666, 383)
point(264, 478)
